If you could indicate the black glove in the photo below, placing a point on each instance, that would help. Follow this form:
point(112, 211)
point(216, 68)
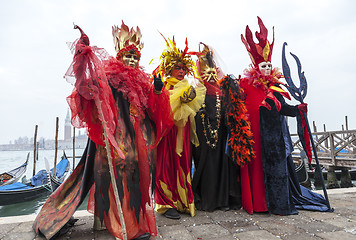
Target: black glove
point(158, 83)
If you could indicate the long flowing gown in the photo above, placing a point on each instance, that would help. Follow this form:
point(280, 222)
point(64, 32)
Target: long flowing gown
point(141, 119)
point(252, 179)
point(216, 181)
point(173, 175)
point(269, 182)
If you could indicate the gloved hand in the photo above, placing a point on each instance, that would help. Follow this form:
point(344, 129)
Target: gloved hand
point(157, 82)
point(303, 107)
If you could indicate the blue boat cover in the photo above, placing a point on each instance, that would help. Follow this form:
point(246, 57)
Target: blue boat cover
point(14, 186)
point(61, 168)
point(39, 179)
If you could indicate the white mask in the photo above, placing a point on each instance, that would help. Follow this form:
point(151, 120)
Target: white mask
point(265, 68)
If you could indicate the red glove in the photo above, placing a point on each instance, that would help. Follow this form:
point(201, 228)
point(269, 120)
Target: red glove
point(303, 107)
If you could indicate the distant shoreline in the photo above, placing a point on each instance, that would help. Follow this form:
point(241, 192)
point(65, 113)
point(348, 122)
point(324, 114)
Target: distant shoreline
point(31, 149)
point(80, 143)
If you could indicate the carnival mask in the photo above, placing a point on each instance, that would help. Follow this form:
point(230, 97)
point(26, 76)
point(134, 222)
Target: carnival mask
point(265, 68)
point(130, 59)
point(210, 75)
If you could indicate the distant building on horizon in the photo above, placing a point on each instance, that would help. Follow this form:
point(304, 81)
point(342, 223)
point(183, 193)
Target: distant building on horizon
point(67, 143)
point(67, 128)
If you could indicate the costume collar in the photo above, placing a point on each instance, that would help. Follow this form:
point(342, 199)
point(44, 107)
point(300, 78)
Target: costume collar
point(258, 80)
point(171, 81)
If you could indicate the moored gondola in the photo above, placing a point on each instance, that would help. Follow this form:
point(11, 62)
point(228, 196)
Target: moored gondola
point(13, 175)
point(39, 185)
point(301, 169)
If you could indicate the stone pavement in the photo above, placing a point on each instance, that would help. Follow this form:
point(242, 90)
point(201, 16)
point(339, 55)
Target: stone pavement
point(227, 225)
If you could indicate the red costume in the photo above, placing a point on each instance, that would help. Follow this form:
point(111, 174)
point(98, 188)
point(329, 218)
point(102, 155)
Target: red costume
point(121, 98)
point(174, 157)
point(252, 179)
point(269, 182)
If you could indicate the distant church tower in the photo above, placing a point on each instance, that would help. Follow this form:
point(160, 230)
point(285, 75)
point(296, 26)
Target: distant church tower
point(67, 128)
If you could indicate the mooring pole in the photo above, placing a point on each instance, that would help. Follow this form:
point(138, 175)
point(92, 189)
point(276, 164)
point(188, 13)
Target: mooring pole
point(34, 151)
point(73, 148)
point(56, 147)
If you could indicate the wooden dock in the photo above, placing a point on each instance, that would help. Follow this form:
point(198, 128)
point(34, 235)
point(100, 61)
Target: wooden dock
point(334, 148)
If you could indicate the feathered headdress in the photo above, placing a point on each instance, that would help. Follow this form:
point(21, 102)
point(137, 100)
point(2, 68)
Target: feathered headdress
point(127, 40)
point(172, 56)
point(206, 64)
point(262, 51)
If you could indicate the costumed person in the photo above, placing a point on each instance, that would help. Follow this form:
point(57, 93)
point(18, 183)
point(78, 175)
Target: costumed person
point(125, 116)
point(173, 192)
point(269, 182)
point(216, 180)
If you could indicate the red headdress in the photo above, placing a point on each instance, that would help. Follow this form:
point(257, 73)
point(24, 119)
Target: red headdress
point(127, 40)
point(262, 51)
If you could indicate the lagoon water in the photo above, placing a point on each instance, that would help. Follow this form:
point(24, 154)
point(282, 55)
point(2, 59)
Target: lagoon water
point(12, 159)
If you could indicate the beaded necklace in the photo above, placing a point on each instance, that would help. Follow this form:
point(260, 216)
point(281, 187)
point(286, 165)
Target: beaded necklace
point(213, 138)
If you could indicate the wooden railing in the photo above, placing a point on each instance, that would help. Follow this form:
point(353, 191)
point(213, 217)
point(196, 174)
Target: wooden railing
point(336, 148)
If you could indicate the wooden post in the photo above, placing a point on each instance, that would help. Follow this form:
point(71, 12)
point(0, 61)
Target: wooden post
point(34, 151)
point(316, 136)
point(347, 124)
point(73, 148)
point(347, 127)
point(326, 142)
point(332, 150)
point(314, 127)
point(56, 147)
point(37, 151)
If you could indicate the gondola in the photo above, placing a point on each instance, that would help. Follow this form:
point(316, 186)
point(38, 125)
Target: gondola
point(301, 168)
point(13, 175)
point(302, 172)
point(39, 185)
point(352, 172)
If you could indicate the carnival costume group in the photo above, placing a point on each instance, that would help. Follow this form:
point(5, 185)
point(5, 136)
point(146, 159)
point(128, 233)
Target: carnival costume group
point(147, 131)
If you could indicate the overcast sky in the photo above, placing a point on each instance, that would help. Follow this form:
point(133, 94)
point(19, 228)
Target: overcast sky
point(34, 55)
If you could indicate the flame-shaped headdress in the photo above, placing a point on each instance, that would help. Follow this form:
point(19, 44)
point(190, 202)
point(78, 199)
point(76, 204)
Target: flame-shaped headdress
point(127, 40)
point(262, 51)
point(172, 56)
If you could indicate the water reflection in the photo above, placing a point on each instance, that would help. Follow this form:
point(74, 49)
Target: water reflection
point(30, 207)
point(12, 159)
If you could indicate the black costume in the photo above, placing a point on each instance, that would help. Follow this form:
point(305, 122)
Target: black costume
point(216, 181)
